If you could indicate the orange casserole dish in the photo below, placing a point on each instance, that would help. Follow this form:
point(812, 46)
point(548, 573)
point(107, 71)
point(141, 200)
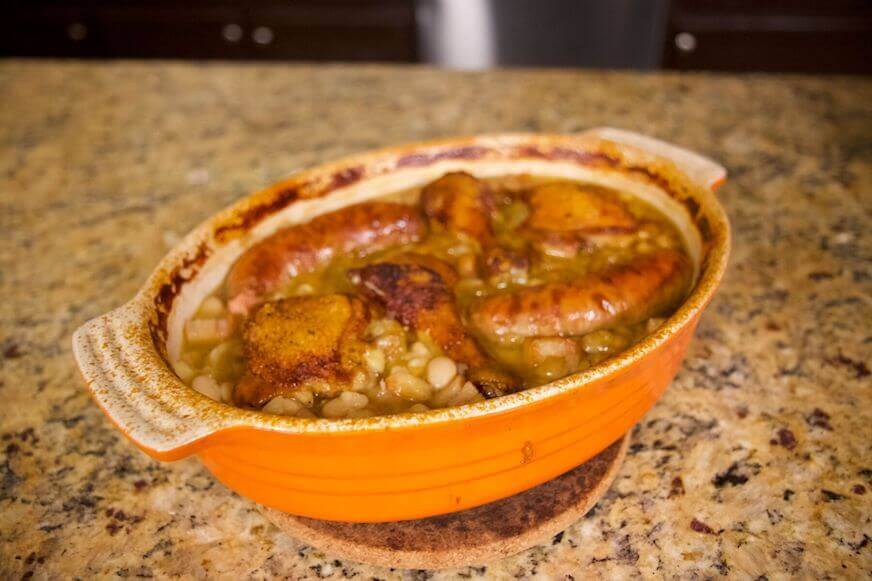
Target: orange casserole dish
point(404, 466)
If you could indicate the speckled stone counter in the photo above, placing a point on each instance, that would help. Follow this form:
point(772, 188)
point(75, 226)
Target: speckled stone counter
point(757, 462)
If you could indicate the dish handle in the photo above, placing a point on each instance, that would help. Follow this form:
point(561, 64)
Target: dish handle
point(699, 168)
point(134, 387)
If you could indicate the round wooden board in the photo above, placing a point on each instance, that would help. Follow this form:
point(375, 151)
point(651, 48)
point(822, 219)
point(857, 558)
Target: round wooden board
point(470, 537)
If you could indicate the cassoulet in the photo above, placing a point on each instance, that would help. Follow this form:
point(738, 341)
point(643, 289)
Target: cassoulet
point(459, 291)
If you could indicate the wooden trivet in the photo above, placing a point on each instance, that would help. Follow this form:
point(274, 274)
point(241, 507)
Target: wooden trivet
point(470, 537)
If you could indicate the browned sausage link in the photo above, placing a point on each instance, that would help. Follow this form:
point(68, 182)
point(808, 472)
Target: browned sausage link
point(302, 248)
point(417, 296)
point(624, 294)
point(460, 203)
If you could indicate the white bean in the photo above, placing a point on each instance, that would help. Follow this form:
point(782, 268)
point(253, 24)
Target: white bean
point(375, 360)
point(440, 371)
point(363, 381)
point(447, 394)
point(353, 400)
point(407, 386)
point(184, 371)
point(339, 407)
point(208, 330)
point(211, 308)
point(304, 396)
point(283, 406)
point(207, 386)
point(417, 364)
point(219, 352)
point(393, 346)
point(468, 394)
point(226, 392)
point(420, 349)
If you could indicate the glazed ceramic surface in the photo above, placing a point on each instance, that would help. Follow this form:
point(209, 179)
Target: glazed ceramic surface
point(410, 465)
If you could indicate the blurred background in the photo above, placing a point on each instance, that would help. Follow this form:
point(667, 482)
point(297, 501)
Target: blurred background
point(832, 36)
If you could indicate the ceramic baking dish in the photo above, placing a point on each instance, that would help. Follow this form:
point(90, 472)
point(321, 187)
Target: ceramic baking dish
point(411, 465)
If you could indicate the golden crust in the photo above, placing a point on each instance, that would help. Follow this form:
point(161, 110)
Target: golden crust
point(569, 207)
point(300, 340)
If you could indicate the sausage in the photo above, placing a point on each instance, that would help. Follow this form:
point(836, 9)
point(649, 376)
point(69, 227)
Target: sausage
point(363, 228)
point(419, 296)
point(460, 203)
point(624, 294)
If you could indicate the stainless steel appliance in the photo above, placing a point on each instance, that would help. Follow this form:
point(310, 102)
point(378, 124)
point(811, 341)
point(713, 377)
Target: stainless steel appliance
point(476, 34)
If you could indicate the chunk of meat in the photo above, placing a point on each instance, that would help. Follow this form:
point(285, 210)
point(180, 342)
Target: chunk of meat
point(445, 271)
point(417, 295)
point(619, 295)
point(420, 299)
point(491, 382)
point(313, 341)
point(569, 207)
point(460, 203)
point(363, 228)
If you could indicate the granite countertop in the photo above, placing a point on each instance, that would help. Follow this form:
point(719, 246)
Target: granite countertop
point(756, 462)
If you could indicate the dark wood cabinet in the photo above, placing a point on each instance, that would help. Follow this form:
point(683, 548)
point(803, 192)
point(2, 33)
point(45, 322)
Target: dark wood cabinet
point(334, 30)
point(48, 29)
point(347, 30)
point(170, 31)
point(814, 36)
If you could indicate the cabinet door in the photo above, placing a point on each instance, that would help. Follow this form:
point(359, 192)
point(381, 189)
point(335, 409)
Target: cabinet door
point(172, 30)
point(770, 35)
point(344, 30)
point(49, 29)
point(340, 30)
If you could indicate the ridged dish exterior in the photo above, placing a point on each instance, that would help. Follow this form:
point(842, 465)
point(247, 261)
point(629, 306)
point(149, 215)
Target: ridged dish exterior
point(411, 465)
